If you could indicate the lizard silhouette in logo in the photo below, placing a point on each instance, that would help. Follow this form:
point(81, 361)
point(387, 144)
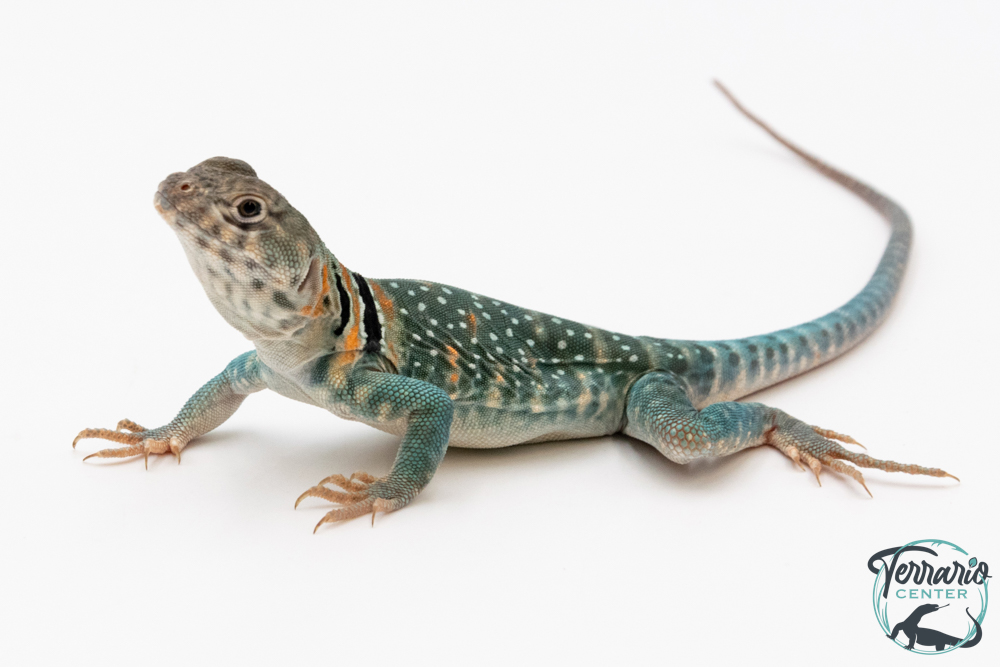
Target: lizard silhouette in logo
point(928, 636)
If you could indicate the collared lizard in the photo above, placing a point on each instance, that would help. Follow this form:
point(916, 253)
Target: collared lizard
point(441, 366)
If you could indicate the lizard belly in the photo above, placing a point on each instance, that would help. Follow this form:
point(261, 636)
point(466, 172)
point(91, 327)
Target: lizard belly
point(482, 426)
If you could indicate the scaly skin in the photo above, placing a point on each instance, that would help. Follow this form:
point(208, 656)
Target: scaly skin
point(442, 366)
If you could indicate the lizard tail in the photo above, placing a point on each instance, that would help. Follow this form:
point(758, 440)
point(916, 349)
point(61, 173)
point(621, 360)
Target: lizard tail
point(741, 367)
point(979, 631)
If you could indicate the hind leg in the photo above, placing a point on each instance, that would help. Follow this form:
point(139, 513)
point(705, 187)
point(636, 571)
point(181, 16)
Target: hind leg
point(659, 412)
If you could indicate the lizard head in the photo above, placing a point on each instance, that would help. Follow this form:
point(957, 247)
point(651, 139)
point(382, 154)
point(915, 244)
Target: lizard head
point(928, 608)
point(258, 259)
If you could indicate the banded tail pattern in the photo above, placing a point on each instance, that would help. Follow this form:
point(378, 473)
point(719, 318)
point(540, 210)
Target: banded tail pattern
point(729, 369)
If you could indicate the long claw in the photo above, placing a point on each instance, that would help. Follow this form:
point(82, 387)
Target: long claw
point(107, 434)
point(849, 470)
point(330, 495)
point(119, 453)
point(866, 461)
point(345, 513)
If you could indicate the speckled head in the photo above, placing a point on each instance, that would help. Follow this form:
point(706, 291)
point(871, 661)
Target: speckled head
point(259, 260)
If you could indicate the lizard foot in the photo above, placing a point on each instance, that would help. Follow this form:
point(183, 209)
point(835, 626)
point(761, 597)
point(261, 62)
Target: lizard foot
point(362, 494)
point(816, 447)
point(137, 440)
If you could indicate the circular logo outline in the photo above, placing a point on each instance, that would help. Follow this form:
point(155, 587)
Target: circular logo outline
point(882, 610)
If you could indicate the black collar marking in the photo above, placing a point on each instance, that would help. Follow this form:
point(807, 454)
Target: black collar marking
point(373, 330)
point(345, 307)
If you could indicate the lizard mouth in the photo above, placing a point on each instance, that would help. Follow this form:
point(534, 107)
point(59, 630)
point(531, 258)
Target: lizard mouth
point(162, 204)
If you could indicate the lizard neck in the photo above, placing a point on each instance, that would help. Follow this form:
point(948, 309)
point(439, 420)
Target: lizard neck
point(347, 319)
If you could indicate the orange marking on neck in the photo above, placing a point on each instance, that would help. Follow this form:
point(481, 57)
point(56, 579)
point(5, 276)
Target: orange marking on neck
point(472, 323)
point(452, 356)
point(316, 309)
point(384, 302)
point(388, 308)
point(352, 337)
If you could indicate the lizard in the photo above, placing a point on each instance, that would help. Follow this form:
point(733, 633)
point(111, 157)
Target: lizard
point(930, 637)
point(441, 366)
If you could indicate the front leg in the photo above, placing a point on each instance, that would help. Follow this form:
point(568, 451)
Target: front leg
point(374, 396)
point(211, 405)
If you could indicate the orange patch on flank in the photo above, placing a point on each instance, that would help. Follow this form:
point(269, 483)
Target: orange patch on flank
point(452, 356)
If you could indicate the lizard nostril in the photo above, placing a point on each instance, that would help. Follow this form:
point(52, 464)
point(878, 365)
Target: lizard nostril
point(185, 186)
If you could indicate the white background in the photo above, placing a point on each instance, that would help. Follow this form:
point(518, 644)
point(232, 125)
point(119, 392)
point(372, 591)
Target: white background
point(570, 157)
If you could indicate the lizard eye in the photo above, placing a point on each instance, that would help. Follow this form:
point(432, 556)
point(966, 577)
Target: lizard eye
point(250, 209)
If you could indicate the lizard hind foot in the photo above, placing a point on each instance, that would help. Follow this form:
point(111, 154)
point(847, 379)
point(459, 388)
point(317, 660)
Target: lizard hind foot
point(361, 495)
point(817, 447)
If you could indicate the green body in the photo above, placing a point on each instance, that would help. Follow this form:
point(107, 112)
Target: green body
point(442, 366)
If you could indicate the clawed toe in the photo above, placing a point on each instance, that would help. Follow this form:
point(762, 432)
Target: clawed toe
point(330, 495)
point(359, 497)
point(136, 439)
point(815, 447)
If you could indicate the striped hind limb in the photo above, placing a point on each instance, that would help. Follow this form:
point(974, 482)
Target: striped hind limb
point(659, 412)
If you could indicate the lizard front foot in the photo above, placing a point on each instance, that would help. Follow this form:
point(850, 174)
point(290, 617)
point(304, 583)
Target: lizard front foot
point(362, 494)
point(137, 440)
point(816, 447)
